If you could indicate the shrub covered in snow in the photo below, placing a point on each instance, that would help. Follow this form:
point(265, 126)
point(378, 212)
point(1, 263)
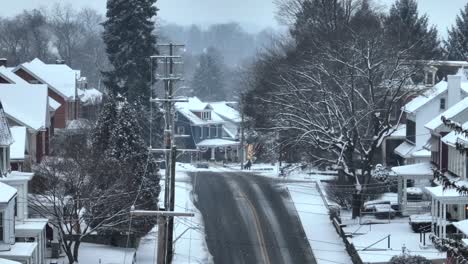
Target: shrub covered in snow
point(406, 259)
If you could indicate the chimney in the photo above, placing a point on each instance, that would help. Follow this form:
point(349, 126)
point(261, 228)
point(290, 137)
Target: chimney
point(3, 62)
point(454, 89)
point(59, 61)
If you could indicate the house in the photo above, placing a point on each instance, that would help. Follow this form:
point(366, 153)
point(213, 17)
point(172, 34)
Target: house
point(209, 127)
point(63, 83)
point(35, 116)
point(13, 208)
point(424, 108)
point(448, 205)
point(424, 146)
point(21, 239)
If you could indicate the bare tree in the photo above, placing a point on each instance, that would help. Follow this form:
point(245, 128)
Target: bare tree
point(343, 103)
point(72, 200)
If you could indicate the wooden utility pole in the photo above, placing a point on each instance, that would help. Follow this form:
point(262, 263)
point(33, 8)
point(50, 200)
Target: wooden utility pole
point(242, 139)
point(166, 217)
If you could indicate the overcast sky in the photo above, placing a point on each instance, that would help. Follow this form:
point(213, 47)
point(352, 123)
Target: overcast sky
point(254, 14)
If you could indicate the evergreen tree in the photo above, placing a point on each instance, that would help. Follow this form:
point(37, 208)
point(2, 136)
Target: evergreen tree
point(457, 42)
point(125, 166)
point(104, 126)
point(208, 79)
point(406, 30)
point(128, 35)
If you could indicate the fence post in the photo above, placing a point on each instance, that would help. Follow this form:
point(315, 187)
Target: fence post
point(388, 241)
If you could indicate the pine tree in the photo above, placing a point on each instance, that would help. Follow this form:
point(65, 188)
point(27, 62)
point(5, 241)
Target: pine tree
point(104, 126)
point(208, 79)
point(457, 42)
point(406, 30)
point(129, 38)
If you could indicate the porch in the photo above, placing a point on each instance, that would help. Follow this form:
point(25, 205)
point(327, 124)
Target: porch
point(447, 208)
point(412, 199)
point(220, 149)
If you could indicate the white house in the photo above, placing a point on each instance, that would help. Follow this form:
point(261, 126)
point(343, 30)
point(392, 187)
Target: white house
point(423, 142)
point(424, 108)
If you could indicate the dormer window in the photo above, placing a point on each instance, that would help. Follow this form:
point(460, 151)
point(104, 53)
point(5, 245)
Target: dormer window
point(442, 103)
point(206, 115)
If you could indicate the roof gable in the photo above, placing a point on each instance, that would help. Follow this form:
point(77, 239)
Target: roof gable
point(421, 100)
point(59, 77)
point(33, 114)
point(458, 109)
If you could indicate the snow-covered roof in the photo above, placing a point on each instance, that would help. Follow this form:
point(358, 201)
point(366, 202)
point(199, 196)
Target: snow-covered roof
point(217, 142)
point(6, 261)
point(453, 137)
point(426, 97)
point(194, 104)
point(60, 77)
point(405, 149)
point(17, 149)
point(15, 176)
point(449, 113)
point(226, 111)
point(6, 192)
point(54, 105)
point(9, 76)
point(20, 250)
point(90, 96)
point(422, 153)
point(419, 169)
point(29, 227)
point(397, 132)
point(5, 135)
point(449, 193)
point(462, 226)
point(26, 104)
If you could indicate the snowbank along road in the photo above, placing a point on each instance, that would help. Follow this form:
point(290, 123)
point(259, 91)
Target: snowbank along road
point(249, 219)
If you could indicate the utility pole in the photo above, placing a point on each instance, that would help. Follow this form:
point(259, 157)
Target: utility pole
point(166, 74)
point(242, 139)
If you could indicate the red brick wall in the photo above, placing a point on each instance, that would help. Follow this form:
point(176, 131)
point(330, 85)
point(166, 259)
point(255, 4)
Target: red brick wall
point(26, 76)
point(61, 112)
point(39, 153)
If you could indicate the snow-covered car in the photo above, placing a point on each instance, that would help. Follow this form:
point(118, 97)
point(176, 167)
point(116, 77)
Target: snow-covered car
point(380, 209)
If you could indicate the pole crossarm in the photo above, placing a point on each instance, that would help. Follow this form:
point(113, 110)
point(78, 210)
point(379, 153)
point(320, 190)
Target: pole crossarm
point(166, 57)
point(158, 100)
point(161, 213)
point(152, 150)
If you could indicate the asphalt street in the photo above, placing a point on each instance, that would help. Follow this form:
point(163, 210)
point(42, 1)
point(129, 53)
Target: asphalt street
point(249, 219)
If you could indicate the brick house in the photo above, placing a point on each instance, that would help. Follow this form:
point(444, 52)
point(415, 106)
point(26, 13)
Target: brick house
point(34, 116)
point(62, 82)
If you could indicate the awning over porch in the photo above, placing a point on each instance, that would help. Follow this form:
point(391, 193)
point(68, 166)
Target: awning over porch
point(217, 142)
point(462, 226)
point(449, 195)
point(405, 150)
point(414, 170)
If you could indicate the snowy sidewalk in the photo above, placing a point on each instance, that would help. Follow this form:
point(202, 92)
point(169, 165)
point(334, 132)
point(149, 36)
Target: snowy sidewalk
point(326, 244)
point(189, 235)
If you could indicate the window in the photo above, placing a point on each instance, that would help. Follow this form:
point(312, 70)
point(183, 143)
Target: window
point(411, 131)
point(206, 115)
point(1, 227)
point(201, 132)
point(180, 130)
point(442, 103)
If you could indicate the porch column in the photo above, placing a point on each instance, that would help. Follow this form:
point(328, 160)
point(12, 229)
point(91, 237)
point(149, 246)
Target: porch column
point(444, 220)
point(400, 192)
point(225, 154)
point(384, 152)
point(432, 214)
point(439, 224)
point(213, 154)
point(405, 196)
